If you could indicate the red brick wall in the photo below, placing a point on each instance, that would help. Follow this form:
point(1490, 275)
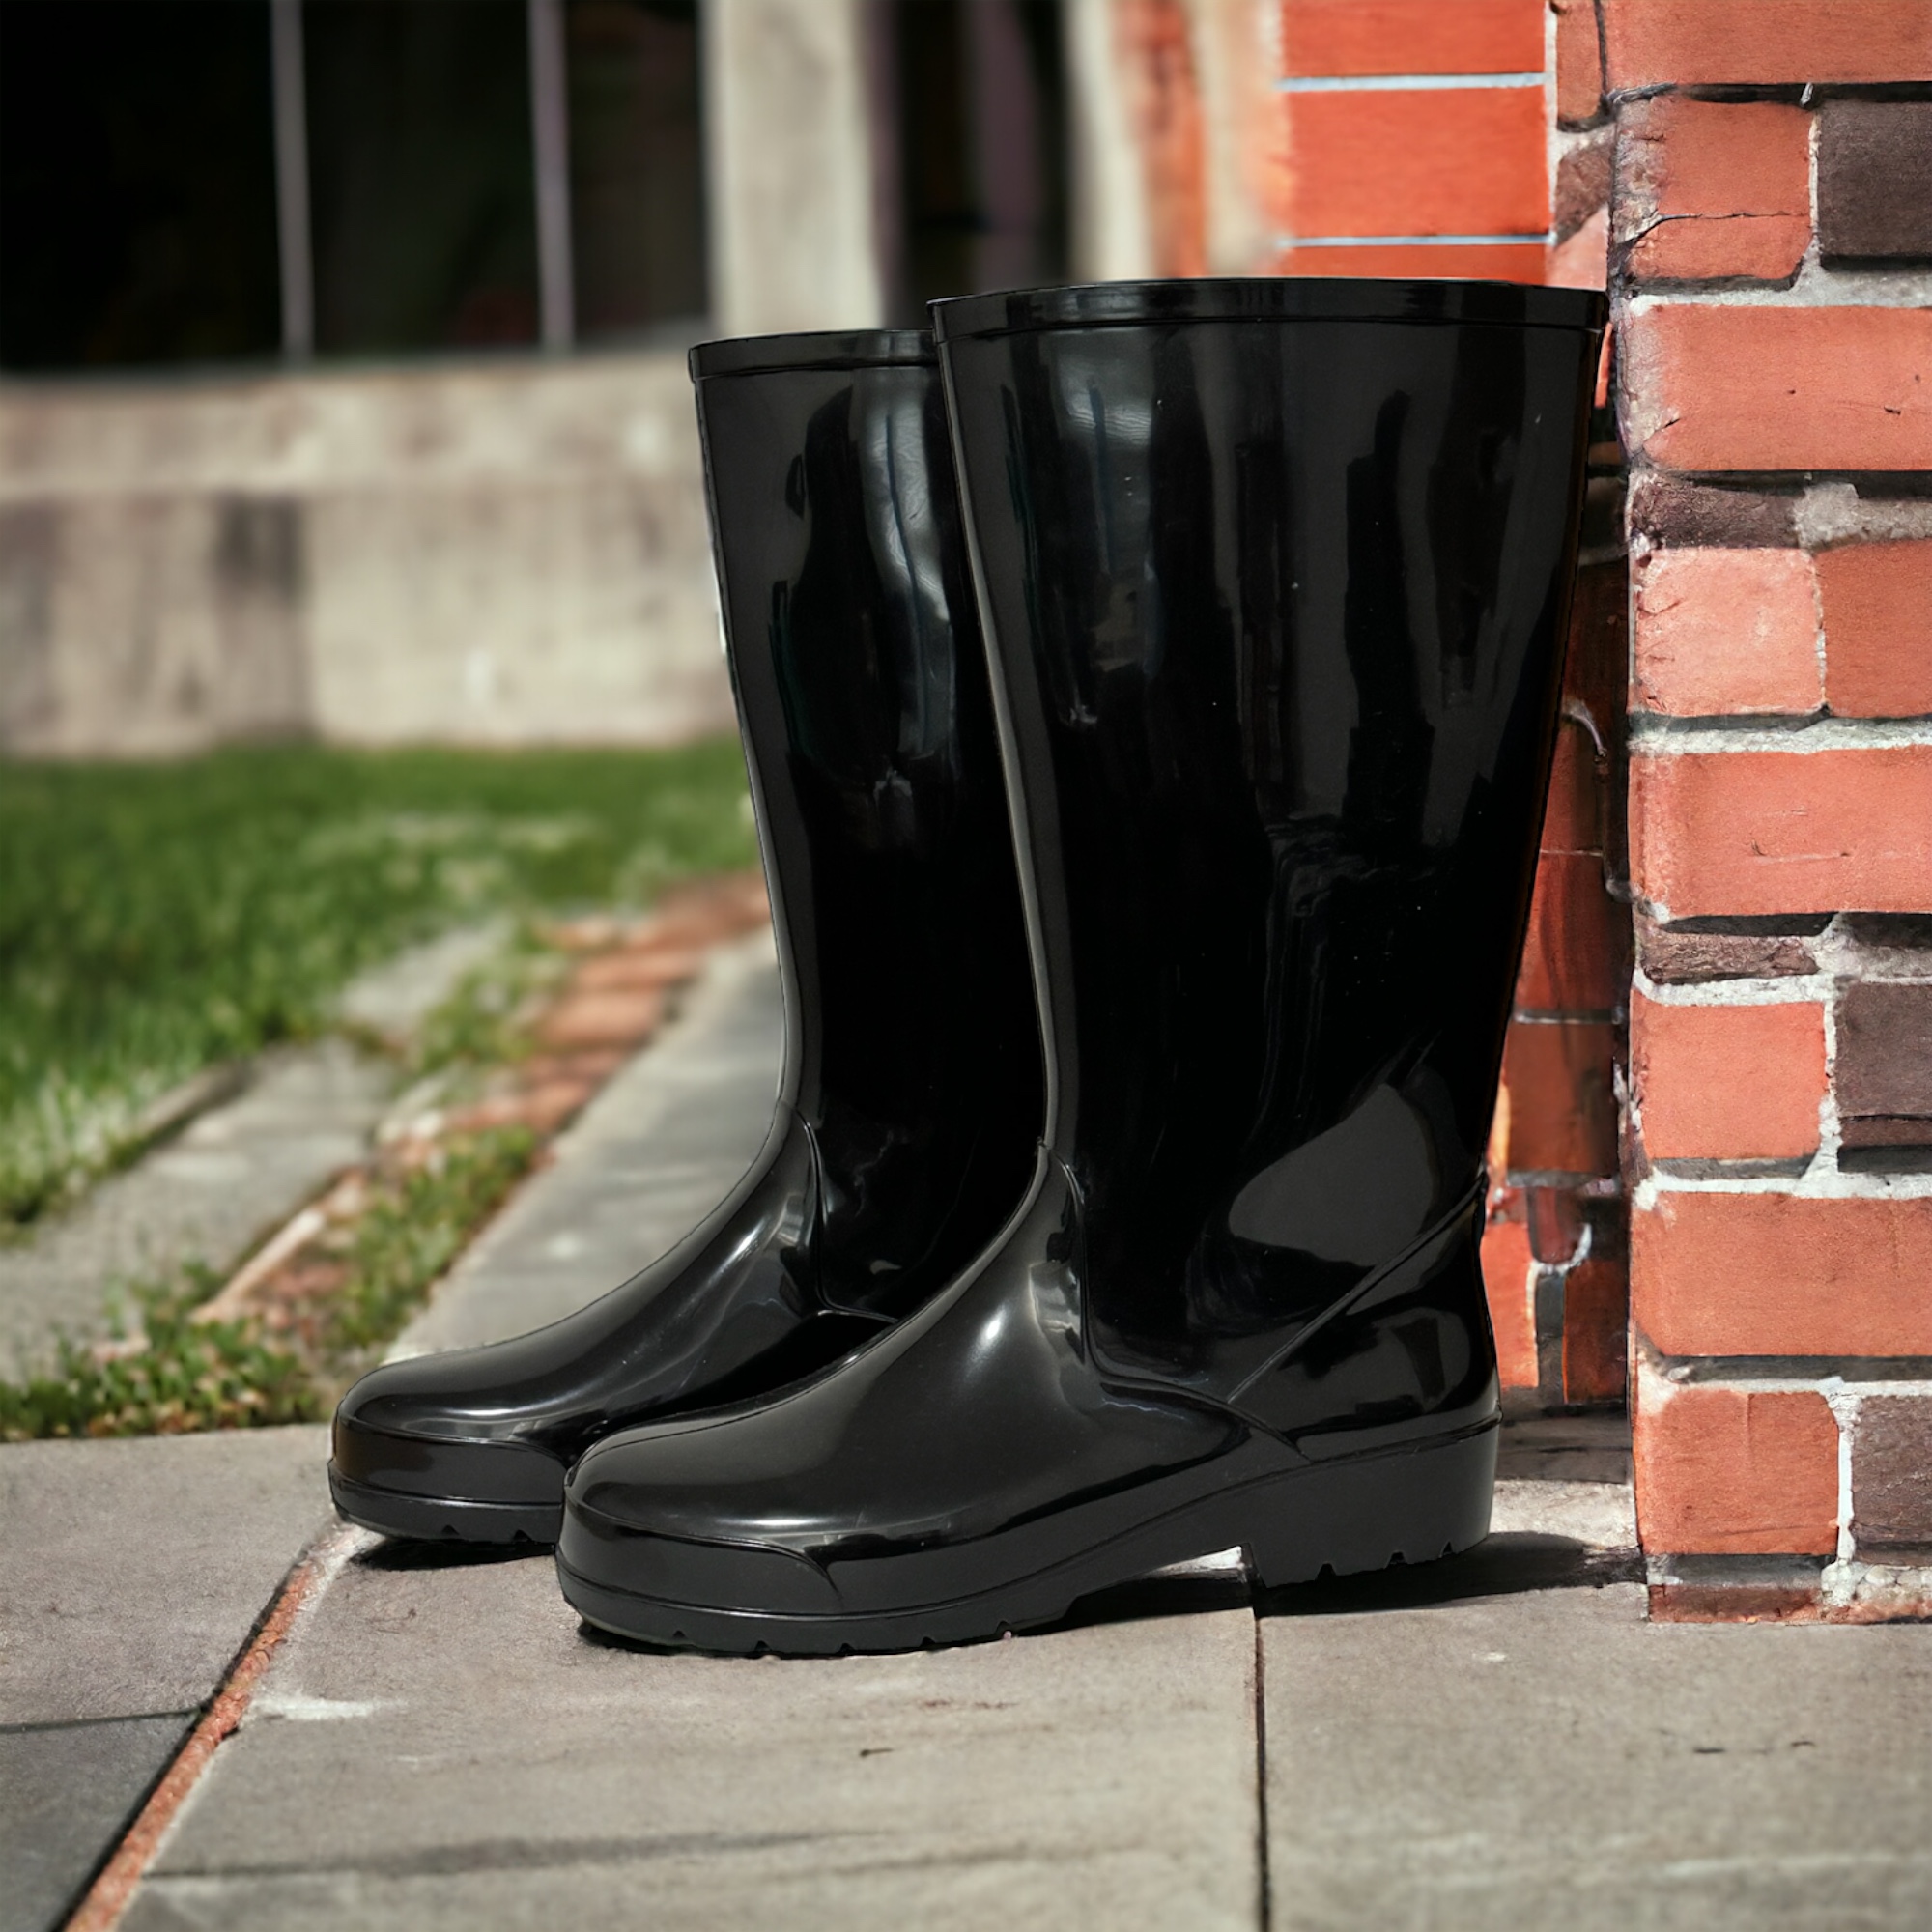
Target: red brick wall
point(1772, 232)
point(1417, 138)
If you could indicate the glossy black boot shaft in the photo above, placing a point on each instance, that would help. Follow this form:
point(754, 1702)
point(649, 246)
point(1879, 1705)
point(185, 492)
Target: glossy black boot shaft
point(1275, 577)
point(1278, 609)
point(910, 1098)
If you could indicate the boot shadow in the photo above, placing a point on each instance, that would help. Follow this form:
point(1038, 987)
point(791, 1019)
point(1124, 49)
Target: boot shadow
point(405, 1552)
point(1512, 1563)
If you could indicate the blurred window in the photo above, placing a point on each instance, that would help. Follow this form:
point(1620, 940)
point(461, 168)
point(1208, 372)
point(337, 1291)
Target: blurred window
point(137, 184)
point(637, 189)
point(422, 189)
point(982, 125)
point(138, 179)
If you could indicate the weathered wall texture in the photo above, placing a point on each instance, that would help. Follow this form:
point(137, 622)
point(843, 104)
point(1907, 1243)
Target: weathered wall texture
point(511, 551)
point(499, 553)
point(789, 162)
point(1774, 271)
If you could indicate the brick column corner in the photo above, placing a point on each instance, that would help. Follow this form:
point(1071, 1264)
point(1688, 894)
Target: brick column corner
point(1771, 232)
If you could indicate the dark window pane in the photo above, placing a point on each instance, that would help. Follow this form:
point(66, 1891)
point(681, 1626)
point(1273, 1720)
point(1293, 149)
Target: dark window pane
point(636, 197)
point(422, 201)
point(982, 148)
point(137, 184)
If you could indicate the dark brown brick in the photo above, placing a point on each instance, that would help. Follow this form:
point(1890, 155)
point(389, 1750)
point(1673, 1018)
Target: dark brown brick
point(1674, 511)
point(1582, 184)
point(1875, 179)
point(1892, 1474)
point(1860, 1131)
point(1733, 1603)
point(1885, 1050)
point(1677, 959)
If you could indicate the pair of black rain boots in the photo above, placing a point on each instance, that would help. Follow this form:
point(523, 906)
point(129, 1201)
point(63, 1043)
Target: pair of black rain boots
point(1145, 973)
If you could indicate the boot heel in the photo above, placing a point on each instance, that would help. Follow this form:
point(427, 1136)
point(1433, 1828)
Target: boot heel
point(1365, 1513)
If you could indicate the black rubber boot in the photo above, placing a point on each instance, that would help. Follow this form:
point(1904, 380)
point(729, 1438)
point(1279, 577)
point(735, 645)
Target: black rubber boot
point(910, 1103)
point(1276, 576)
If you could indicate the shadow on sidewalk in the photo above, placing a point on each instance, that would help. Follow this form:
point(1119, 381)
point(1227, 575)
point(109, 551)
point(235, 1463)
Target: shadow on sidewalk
point(396, 1553)
point(1511, 1564)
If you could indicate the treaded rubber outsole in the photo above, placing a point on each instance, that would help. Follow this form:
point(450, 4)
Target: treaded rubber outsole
point(1346, 1518)
point(442, 1519)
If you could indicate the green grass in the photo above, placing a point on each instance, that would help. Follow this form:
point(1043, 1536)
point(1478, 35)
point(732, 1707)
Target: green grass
point(155, 919)
point(190, 1375)
point(292, 1365)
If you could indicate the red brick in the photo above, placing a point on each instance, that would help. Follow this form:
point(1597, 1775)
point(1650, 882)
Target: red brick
point(1506, 1280)
point(1595, 1330)
point(1726, 630)
point(1877, 601)
point(1447, 161)
point(1723, 387)
point(601, 1019)
point(1555, 1219)
point(637, 970)
point(1573, 820)
point(1596, 667)
point(1724, 1471)
point(1745, 833)
point(595, 1065)
point(1563, 1110)
point(542, 1107)
point(1582, 259)
point(1727, 1083)
point(1710, 189)
point(1776, 1274)
point(1741, 42)
point(1577, 957)
point(1482, 262)
point(1351, 37)
point(1579, 62)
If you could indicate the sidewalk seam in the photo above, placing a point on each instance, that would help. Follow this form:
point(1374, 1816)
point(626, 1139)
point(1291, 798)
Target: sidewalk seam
point(113, 1889)
point(1265, 1914)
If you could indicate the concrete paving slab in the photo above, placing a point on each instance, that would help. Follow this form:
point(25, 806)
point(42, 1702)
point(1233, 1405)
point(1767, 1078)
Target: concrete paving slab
point(447, 1747)
point(1600, 1515)
point(67, 1793)
point(395, 998)
point(132, 1572)
point(208, 1195)
point(1524, 1756)
point(666, 1139)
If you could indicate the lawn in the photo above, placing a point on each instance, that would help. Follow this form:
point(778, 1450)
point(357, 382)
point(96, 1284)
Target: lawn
point(155, 919)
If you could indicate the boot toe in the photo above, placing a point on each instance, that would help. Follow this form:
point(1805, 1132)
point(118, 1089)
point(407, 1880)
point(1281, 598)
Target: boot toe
point(407, 1461)
point(635, 1525)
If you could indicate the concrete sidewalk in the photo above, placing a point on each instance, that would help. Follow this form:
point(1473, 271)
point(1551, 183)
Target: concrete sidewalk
point(1502, 1741)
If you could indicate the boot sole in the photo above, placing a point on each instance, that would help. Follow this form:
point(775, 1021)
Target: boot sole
point(1344, 1517)
point(442, 1519)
